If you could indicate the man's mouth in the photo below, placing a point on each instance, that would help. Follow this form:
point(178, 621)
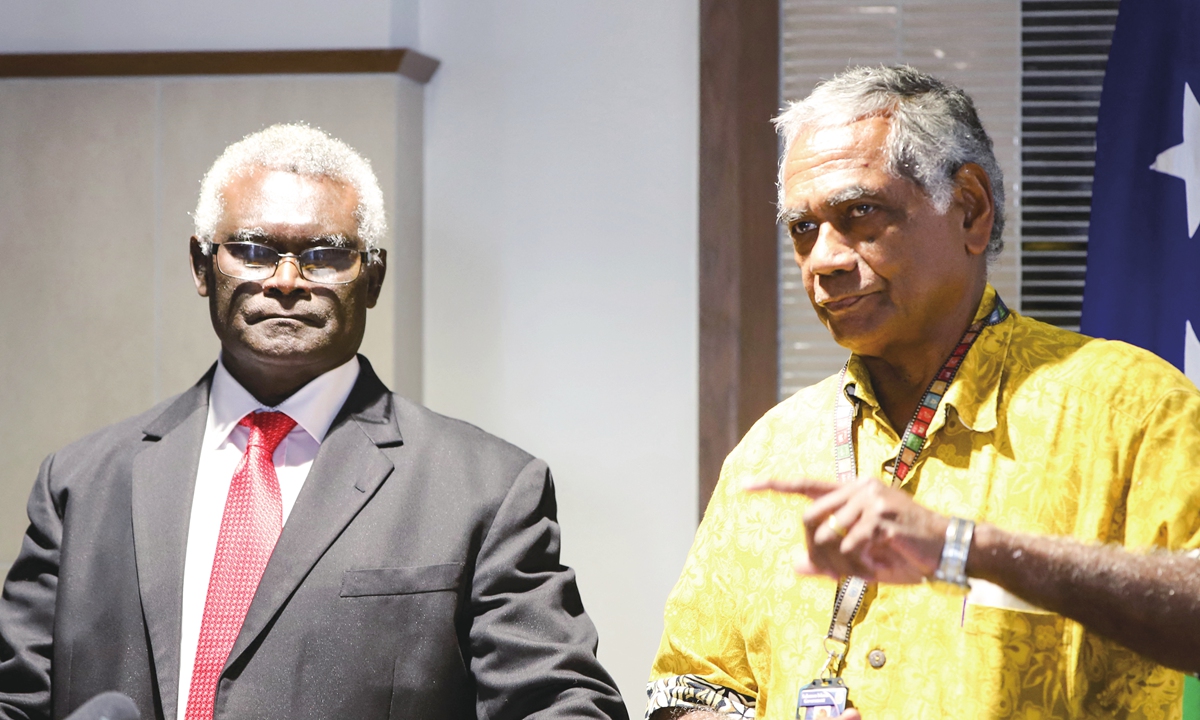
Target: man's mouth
point(297, 317)
point(842, 303)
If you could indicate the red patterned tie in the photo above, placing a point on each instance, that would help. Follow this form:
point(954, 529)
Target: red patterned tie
point(250, 527)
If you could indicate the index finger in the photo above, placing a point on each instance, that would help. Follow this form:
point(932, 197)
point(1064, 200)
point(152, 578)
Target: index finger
point(801, 486)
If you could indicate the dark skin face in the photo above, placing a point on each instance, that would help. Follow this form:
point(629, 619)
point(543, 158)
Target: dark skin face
point(279, 333)
point(894, 280)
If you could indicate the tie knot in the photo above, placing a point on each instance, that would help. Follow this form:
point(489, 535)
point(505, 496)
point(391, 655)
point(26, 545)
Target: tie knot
point(267, 429)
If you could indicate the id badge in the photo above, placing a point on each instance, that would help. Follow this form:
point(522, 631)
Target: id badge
point(822, 698)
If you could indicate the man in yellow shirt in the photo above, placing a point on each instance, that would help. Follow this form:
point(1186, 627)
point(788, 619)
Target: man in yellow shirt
point(961, 439)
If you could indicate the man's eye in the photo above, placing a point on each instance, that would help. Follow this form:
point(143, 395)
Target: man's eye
point(861, 209)
point(802, 227)
point(251, 254)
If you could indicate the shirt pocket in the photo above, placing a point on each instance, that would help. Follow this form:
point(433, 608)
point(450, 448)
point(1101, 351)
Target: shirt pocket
point(401, 581)
point(1021, 660)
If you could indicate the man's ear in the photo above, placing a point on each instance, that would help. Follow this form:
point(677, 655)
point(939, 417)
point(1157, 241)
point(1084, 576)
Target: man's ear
point(973, 195)
point(376, 271)
point(201, 266)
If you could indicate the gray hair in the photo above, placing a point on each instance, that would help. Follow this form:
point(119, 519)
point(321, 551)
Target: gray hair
point(299, 149)
point(935, 130)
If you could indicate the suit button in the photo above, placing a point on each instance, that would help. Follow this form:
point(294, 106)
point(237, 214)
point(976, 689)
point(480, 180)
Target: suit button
point(876, 658)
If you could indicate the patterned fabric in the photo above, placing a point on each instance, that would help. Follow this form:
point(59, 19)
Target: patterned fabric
point(915, 436)
point(1043, 431)
point(689, 691)
point(250, 526)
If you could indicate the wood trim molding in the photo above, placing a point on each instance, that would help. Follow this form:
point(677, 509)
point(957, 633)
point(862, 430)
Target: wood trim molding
point(409, 63)
point(739, 94)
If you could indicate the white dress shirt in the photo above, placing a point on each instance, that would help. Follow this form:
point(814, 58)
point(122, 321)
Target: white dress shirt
point(313, 407)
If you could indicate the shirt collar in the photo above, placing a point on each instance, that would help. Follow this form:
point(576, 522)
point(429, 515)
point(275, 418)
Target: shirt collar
point(975, 391)
point(313, 406)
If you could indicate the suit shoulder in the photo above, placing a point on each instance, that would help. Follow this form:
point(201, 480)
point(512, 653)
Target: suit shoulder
point(112, 438)
point(451, 437)
point(103, 457)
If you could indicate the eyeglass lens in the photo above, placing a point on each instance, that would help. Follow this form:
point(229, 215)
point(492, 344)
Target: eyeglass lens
point(252, 261)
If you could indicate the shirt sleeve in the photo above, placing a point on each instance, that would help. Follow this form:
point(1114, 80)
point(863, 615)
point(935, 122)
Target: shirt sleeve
point(703, 659)
point(1163, 505)
point(717, 652)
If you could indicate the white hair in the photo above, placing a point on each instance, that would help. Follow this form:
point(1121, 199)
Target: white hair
point(934, 131)
point(299, 149)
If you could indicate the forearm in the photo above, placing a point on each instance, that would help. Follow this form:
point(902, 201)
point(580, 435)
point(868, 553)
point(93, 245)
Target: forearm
point(1148, 602)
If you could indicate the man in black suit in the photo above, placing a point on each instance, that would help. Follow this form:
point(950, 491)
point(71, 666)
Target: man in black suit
point(288, 539)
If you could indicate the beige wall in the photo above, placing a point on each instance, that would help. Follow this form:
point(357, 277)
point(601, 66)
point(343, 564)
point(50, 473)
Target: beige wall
point(561, 276)
point(100, 318)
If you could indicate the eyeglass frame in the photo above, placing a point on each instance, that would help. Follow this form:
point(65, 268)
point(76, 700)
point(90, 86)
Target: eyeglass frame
point(367, 257)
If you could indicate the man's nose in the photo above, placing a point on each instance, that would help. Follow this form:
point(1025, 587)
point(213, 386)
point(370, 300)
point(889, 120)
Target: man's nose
point(286, 278)
point(831, 253)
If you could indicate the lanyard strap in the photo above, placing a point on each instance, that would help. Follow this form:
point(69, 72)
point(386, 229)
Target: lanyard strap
point(852, 590)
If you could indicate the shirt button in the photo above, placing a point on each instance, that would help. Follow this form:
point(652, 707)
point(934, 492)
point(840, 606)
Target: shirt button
point(876, 658)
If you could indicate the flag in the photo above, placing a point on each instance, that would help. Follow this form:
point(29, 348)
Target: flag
point(1143, 261)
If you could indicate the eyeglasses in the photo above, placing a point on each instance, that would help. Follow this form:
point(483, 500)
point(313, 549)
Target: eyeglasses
point(325, 265)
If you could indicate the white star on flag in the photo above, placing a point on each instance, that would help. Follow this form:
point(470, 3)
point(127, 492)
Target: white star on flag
point(1191, 353)
point(1183, 160)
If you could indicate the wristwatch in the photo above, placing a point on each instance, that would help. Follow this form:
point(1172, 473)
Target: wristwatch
point(951, 573)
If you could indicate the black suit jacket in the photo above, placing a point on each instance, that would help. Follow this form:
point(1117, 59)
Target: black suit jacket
point(418, 576)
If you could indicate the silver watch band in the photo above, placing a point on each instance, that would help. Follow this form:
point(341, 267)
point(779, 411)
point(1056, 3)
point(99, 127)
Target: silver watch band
point(953, 566)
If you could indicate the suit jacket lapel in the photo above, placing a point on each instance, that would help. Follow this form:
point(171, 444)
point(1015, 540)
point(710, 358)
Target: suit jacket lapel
point(347, 470)
point(164, 477)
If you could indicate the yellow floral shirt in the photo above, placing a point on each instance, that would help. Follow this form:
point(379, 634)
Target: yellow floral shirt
point(1042, 431)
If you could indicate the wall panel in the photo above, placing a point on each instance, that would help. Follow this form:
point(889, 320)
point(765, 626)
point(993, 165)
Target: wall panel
point(76, 281)
point(561, 275)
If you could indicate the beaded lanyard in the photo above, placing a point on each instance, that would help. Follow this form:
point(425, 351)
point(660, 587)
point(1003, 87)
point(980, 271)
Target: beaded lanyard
point(850, 594)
